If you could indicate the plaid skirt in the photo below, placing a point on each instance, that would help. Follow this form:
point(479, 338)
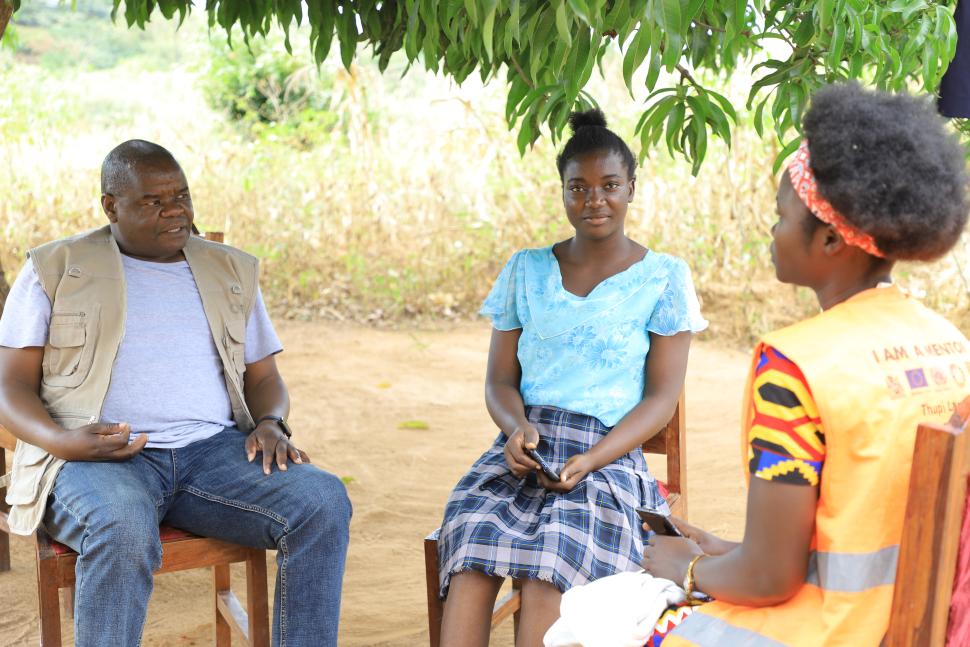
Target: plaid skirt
point(505, 526)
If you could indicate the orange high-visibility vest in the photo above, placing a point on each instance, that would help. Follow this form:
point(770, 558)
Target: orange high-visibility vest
point(877, 365)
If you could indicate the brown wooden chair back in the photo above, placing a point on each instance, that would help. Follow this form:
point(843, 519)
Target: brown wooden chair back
point(670, 441)
point(931, 534)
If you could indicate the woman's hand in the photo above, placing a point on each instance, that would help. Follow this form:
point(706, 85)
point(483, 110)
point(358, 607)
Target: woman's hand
point(524, 436)
point(668, 557)
point(709, 543)
point(574, 471)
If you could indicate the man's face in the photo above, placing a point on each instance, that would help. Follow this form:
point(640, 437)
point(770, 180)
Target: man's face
point(151, 215)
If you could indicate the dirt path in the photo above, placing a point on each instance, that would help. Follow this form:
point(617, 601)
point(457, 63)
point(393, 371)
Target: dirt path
point(352, 388)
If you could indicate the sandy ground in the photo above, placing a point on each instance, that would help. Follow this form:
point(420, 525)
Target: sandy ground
point(352, 388)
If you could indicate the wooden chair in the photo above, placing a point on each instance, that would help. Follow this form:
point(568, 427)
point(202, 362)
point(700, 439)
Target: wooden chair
point(931, 535)
point(180, 551)
point(671, 441)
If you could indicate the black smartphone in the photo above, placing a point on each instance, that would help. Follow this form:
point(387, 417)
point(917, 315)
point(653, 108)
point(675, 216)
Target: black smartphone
point(543, 465)
point(659, 523)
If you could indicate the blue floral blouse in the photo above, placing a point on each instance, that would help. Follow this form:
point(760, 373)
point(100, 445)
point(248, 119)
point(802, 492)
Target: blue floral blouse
point(587, 354)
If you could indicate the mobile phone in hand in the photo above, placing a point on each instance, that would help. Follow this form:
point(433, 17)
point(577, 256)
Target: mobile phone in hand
point(659, 523)
point(543, 465)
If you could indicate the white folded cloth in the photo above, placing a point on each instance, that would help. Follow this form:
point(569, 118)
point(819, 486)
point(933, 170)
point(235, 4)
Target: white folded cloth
point(616, 611)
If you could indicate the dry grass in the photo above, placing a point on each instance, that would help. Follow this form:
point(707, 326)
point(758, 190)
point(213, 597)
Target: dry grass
point(411, 211)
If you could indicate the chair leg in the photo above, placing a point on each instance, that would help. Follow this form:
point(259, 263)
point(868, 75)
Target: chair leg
point(4, 537)
point(516, 586)
point(223, 633)
point(257, 599)
point(67, 598)
point(435, 605)
point(4, 544)
point(50, 608)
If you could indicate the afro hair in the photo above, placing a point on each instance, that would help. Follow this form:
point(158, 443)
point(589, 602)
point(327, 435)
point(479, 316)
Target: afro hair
point(887, 163)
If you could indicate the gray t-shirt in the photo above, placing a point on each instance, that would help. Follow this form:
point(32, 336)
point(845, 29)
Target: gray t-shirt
point(167, 378)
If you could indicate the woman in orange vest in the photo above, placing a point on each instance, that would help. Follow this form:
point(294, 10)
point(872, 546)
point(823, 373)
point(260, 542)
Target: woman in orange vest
point(833, 402)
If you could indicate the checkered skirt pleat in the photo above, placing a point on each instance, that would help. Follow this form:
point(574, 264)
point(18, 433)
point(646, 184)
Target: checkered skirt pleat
point(505, 526)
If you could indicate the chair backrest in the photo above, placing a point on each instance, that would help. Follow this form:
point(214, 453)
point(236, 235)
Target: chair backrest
point(931, 535)
point(671, 441)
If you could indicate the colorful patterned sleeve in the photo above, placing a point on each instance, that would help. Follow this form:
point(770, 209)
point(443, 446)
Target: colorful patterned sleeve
point(786, 442)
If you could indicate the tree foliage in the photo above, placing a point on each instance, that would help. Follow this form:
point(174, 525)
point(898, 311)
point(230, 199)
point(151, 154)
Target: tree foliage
point(547, 50)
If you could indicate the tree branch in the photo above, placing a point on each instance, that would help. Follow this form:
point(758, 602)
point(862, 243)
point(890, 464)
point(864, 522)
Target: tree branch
point(6, 10)
point(684, 74)
point(711, 27)
point(515, 64)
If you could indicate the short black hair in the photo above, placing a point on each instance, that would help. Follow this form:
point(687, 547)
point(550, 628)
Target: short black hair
point(591, 134)
point(118, 164)
point(887, 163)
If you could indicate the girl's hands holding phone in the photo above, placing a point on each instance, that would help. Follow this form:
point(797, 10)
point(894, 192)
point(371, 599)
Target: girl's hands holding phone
point(574, 471)
point(518, 460)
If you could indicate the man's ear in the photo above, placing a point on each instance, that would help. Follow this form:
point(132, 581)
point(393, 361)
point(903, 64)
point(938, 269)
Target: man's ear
point(108, 204)
point(633, 189)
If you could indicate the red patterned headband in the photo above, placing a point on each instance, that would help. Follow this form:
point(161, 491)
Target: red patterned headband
point(803, 180)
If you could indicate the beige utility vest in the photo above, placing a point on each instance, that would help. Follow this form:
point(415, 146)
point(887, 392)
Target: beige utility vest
point(85, 281)
point(877, 365)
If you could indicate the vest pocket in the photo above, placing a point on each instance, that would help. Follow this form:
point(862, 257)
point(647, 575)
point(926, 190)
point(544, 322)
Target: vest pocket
point(70, 348)
point(29, 464)
point(235, 344)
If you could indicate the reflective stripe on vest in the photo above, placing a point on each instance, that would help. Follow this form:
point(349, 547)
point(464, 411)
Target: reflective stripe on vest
point(853, 572)
point(705, 630)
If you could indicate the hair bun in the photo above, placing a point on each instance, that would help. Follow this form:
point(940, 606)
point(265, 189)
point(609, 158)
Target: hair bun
point(593, 117)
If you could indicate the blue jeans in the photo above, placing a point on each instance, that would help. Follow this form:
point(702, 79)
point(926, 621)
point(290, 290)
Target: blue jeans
point(109, 513)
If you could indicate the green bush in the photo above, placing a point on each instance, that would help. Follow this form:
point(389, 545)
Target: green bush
point(271, 93)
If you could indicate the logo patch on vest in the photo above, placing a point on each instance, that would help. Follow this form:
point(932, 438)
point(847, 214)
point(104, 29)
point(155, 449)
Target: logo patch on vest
point(916, 378)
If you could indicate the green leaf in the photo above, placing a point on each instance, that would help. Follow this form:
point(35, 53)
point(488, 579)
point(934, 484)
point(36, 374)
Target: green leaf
point(322, 24)
point(471, 6)
point(576, 64)
point(487, 32)
point(785, 153)
point(824, 10)
point(526, 136)
point(725, 105)
point(691, 11)
point(653, 72)
point(413, 424)
point(581, 9)
point(635, 54)
point(805, 33)
point(517, 91)
point(675, 122)
point(562, 23)
point(837, 43)
point(671, 18)
point(930, 79)
point(699, 147)
point(347, 30)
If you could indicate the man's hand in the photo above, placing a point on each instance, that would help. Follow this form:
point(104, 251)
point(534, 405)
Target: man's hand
point(98, 442)
point(574, 471)
point(518, 461)
point(269, 439)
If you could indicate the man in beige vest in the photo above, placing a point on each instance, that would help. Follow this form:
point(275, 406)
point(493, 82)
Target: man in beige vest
point(138, 371)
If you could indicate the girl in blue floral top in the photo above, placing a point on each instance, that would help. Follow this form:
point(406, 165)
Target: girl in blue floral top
point(587, 360)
